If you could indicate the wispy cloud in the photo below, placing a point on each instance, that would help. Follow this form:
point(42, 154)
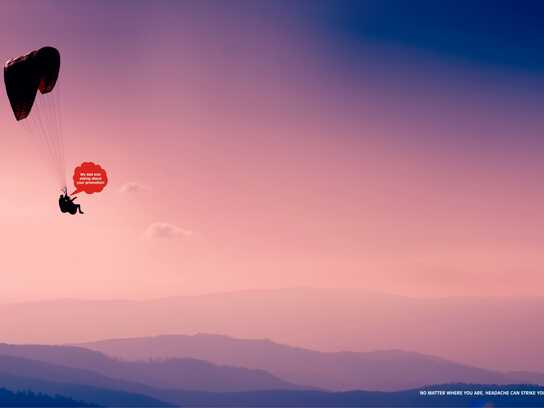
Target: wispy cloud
point(133, 187)
point(163, 230)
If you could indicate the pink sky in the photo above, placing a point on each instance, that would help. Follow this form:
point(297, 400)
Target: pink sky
point(278, 165)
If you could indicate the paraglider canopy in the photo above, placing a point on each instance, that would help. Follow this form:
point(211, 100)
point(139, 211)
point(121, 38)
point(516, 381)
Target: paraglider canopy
point(39, 116)
point(25, 75)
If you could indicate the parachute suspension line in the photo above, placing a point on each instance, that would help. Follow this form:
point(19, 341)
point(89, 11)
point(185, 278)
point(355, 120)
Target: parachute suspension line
point(45, 122)
point(50, 126)
point(33, 129)
point(46, 131)
point(52, 107)
point(43, 132)
point(36, 128)
point(57, 115)
point(58, 121)
point(56, 133)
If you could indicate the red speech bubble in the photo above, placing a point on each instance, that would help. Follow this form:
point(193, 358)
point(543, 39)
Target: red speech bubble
point(90, 178)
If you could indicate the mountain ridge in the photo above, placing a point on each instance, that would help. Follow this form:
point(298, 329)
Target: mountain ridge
point(383, 370)
point(356, 320)
point(178, 373)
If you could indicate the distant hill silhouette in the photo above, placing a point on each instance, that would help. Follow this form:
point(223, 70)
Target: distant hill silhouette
point(380, 370)
point(91, 367)
point(384, 370)
point(101, 396)
point(406, 398)
point(31, 399)
point(463, 329)
point(528, 377)
point(270, 398)
point(18, 373)
point(22, 374)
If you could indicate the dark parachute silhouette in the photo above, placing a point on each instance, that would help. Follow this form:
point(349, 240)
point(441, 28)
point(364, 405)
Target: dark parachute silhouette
point(24, 76)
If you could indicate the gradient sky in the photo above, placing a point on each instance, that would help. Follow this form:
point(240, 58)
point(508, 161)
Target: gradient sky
point(389, 145)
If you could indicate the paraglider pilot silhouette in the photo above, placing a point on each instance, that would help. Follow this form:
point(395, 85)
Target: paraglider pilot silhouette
point(67, 204)
point(24, 76)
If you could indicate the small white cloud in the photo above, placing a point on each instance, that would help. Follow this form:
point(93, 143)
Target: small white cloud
point(133, 187)
point(163, 230)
